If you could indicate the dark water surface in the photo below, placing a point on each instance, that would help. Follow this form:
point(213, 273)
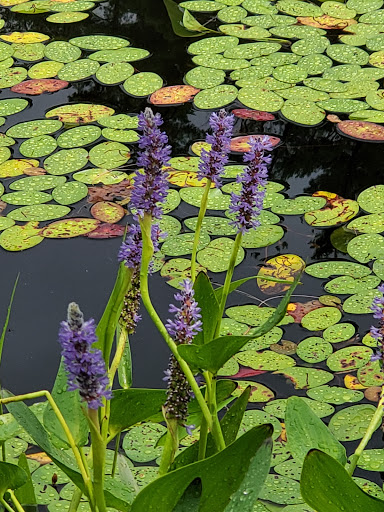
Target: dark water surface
point(58, 271)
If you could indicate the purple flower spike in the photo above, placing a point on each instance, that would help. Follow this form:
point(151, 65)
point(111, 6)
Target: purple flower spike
point(211, 165)
point(248, 204)
point(378, 332)
point(130, 250)
point(189, 429)
point(85, 366)
point(151, 186)
point(187, 321)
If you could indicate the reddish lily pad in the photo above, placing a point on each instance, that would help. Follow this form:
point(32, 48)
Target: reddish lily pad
point(336, 211)
point(107, 212)
point(110, 192)
point(362, 130)
point(325, 22)
point(306, 378)
point(35, 87)
point(241, 144)
point(106, 231)
point(349, 358)
point(173, 95)
point(297, 310)
point(69, 228)
point(255, 115)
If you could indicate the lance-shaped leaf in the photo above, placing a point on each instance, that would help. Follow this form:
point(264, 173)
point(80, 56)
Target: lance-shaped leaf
point(11, 477)
point(176, 16)
point(213, 355)
point(326, 486)
point(26, 493)
point(306, 431)
point(205, 297)
point(234, 475)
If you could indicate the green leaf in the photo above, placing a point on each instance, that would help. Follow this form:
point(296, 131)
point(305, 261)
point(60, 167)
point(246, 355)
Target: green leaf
point(70, 406)
point(213, 355)
point(306, 431)
point(209, 305)
point(130, 406)
point(11, 477)
point(192, 25)
point(224, 477)
point(235, 284)
point(326, 486)
point(125, 366)
point(26, 494)
point(176, 16)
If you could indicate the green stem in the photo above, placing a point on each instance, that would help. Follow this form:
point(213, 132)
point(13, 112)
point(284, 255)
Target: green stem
point(200, 218)
point(63, 423)
point(98, 454)
point(228, 280)
point(204, 426)
point(170, 447)
point(5, 505)
point(114, 465)
point(15, 501)
point(3, 452)
point(147, 253)
point(122, 341)
point(375, 422)
point(75, 501)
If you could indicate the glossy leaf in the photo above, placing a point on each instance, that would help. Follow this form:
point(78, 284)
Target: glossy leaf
point(11, 477)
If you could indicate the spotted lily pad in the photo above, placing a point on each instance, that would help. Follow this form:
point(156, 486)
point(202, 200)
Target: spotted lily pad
point(62, 51)
point(179, 245)
point(365, 248)
point(106, 211)
point(279, 488)
point(339, 332)
point(67, 17)
point(79, 136)
point(334, 268)
point(114, 72)
point(260, 99)
point(373, 223)
point(306, 378)
point(215, 257)
point(372, 460)
point(143, 84)
point(335, 395)
point(36, 87)
point(45, 69)
point(218, 226)
point(202, 5)
point(140, 442)
point(262, 236)
point(350, 285)
point(212, 45)
point(70, 193)
point(371, 374)
point(321, 318)
point(120, 135)
point(241, 145)
point(298, 205)
point(78, 70)
point(24, 37)
point(314, 349)
point(204, 78)
point(267, 360)
point(351, 423)
point(335, 212)
point(34, 128)
point(12, 106)
point(173, 95)
point(259, 392)
point(66, 161)
point(99, 42)
point(216, 199)
point(38, 183)
point(349, 358)
point(215, 97)
point(39, 146)
point(80, 113)
point(104, 176)
point(109, 155)
point(119, 121)
point(16, 167)
point(19, 238)
point(26, 197)
point(69, 228)
point(347, 54)
point(178, 269)
point(372, 199)
point(302, 112)
point(277, 407)
point(39, 212)
point(360, 303)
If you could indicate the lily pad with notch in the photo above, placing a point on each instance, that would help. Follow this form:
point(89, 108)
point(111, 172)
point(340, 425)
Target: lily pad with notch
point(216, 255)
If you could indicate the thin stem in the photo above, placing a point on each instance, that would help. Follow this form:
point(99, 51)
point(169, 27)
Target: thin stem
point(3, 452)
point(170, 447)
point(372, 427)
point(204, 427)
point(200, 218)
point(15, 501)
point(228, 280)
point(98, 454)
point(114, 464)
point(118, 354)
point(63, 423)
point(147, 253)
point(75, 501)
point(6, 505)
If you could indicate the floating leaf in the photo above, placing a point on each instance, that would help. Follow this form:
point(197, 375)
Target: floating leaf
point(143, 84)
point(365, 248)
point(78, 70)
point(35, 87)
point(335, 395)
point(45, 69)
point(70, 193)
point(314, 350)
point(79, 136)
point(108, 212)
point(106, 231)
point(204, 78)
point(218, 226)
point(339, 332)
point(298, 205)
point(241, 144)
point(16, 167)
point(67, 17)
point(259, 392)
point(39, 146)
point(38, 183)
point(279, 488)
point(178, 269)
point(173, 95)
point(69, 228)
point(351, 423)
point(260, 99)
point(34, 128)
point(212, 45)
point(109, 155)
point(119, 121)
point(26, 197)
point(349, 358)
point(372, 199)
point(267, 360)
point(321, 318)
point(99, 42)
point(255, 115)
point(362, 130)
point(62, 51)
point(12, 106)
point(105, 176)
point(216, 199)
point(349, 285)
point(66, 161)
point(39, 212)
point(114, 72)
point(179, 245)
point(19, 238)
point(24, 37)
point(297, 8)
point(262, 236)
point(361, 302)
point(306, 378)
point(254, 418)
point(215, 97)
point(336, 211)
point(371, 374)
point(333, 268)
point(80, 113)
point(215, 257)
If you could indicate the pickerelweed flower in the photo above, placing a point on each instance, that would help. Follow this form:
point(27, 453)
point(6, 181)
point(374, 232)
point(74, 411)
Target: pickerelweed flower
point(130, 313)
point(151, 186)
point(378, 332)
point(183, 328)
point(247, 205)
point(85, 366)
point(131, 249)
point(211, 165)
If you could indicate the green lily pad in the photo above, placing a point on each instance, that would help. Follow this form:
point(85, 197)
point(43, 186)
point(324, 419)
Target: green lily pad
point(259, 7)
point(277, 407)
point(372, 199)
point(333, 268)
point(338, 10)
point(369, 487)
point(66, 161)
point(325, 84)
point(261, 70)
point(28, 52)
point(218, 226)
point(39, 146)
point(215, 97)
point(310, 45)
point(265, 341)
point(78, 70)
point(335, 395)
point(351, 423)
point(99, 42)
point(298, 205)
point(251, 50)
point(62, 51)
point(36, 128)
point(259, 392)
point(216, 199)
point(119, 122)
point(39, 212)
point(5, 153)
point(172, 201)
point(349, 358)
point(360, 303)
point(202, 5)
point(143, 84)
point(374, 116)
point(26, 197)
point(371, 374)
point(104, 176)
point(315, 64)
point(254, 315)
point(279, 488)
point(80, 113)
point(12, 106)
point(365, 248)
point(6, 141)
point(260, 99)
point(303, 93)
point(373, 17)
point(314, 350)
point(67, 17)
point(241, 31)
point(347, 54)
point(231, 14)
point(179, 245)
point(306, 378)
point(302, 112)
point(38, 183)
point(70, 193)
point(120, 135)
point(212, 45)
point(204, 78)
point(276, 59)
point(362, 6)
point(268, 83)
point(290, 73)
point(373, 223)
point(70, 228)
point(342, 105)
point(169, 224)
point(230, 368)
point(339, 332)
point(178, 269)
point(321, 318)
point(267, 360)
point(263, 236)
point(114, 72)
point(45, 69)
point(216, 256)
point(79, 136)
point(350, 285)
point(340, 211)
point(372, 460)
point(254, 417)
point(109, 155)
point(19, 238)
point(140, 442)
point(129, 54)
point(290, 468)
point(269, 20)
point(296, 31)
point(378, 268)
point(44, 475)
point(5, 223)
point(298, 8)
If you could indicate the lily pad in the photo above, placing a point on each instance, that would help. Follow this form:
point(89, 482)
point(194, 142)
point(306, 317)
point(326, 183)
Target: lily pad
point(298, 205)
point(99, 42)
point(360, 303)
point(350, 424)
point(39, 212)
point(349, 358)
point(314, 350)
point(173, 95)
point(79, 136)
point(260, 99)
point(334, 268)
point(80, 113)
point(315, 64)
point(371, 374)
point(106, 211)
point(114, 72)
point(306, 113)
point(372, 199)
point(216, 256)
point(28, 52)
point(350, 285)
point(16, 167)
point(373, 223)
point(67, 17)
point(119, 121)
point(12, 106)
point(26, 197)
point(338, 10)
point(104, 176)
point(216, 199)
point(62, 51)
point(321, 318)
point(143, 84)
point(69, 228)
point(36, 87)
point(298, 8)
point(259, 392)
point(279, 488)
point(78, 70)
point(277, 407)
point(231, 14)
point(254, 315)
point(365, 248)
point(306, 378)
point(34, 128)
point(121, 55)
point(335, 212)
point(212, 45)
point(218, 226)
point(70, 193)
point(39, 146)
point(254, 417)
point(263, 236)
point(140, 442)
point(66, 161)
point(12, 76)
point(372, 460)
point(180, 245)
point(335, 395)
point(202, 5)
point(339, 332)
point(267, 360)
point(45, 69)
point(19, 238)
point(347, 54)
point(204, 78)
point(120, 135)
point(178, 269)
point(109, 155)
point(24, 37)
point(215, 97)
point(38, 183)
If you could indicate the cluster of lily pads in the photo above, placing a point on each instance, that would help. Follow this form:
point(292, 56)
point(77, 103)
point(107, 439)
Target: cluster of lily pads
point(51, 66)
point(293, 64)
point(65, 11)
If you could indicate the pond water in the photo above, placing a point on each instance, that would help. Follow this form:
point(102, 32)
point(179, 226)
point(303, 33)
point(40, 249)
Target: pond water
point(55, 272)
